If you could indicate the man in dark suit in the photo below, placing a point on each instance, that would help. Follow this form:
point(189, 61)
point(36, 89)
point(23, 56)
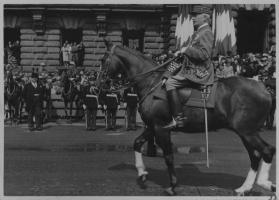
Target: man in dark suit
point(33, 96)
point(198, 68)
point(131, 102)
point(90, 104)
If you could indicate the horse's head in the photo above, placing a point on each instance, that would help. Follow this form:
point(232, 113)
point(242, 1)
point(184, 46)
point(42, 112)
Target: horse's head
point(112, 66)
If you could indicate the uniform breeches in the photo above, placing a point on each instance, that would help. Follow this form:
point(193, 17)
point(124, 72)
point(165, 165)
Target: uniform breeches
point(111, 118)
point(175, 82)
point(91, 115)
point(131, 115)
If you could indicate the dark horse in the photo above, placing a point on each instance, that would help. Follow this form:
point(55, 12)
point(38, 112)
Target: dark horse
point(241, 105)
point(68, 94)
point(12, 97)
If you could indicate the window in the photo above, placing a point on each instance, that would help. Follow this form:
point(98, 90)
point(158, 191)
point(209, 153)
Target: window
point(71, 35)
point(12, 46)
point(251, 29)
point(133, 39)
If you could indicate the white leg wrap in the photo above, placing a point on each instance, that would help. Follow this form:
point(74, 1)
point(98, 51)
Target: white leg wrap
point(263, 176)
point(249, 182)
point(139, 164)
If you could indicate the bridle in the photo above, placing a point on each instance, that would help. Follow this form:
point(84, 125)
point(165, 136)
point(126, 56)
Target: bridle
point(134, 79)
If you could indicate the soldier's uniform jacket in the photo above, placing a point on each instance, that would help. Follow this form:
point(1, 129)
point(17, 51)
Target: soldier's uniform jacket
point(111, 99)
point(33, 96)
point(89, 97)
point(198, 67)
point(130, 97)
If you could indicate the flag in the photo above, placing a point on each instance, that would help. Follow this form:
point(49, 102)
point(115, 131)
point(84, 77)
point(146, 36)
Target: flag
point(184, 26)
point(224, 31)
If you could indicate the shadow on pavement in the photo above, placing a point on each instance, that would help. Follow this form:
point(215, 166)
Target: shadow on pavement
point(188, 175)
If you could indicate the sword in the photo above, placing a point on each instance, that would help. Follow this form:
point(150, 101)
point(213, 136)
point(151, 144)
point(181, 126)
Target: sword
point(204, 94)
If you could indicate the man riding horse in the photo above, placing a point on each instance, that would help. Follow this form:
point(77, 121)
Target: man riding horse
point(198, 67)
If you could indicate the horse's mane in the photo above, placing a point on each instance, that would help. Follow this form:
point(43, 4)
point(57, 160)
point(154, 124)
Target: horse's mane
point(139, 55)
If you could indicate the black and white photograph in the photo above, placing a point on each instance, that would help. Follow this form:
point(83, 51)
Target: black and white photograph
point(139, 99)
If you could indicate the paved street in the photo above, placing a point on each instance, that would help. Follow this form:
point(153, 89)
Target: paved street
point(65, 159)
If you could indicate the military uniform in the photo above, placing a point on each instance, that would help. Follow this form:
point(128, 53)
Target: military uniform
point(197, 69)
point(90, 103)
point(33, 96)
point(131, 101)
point(47, 98)
point(111, 104)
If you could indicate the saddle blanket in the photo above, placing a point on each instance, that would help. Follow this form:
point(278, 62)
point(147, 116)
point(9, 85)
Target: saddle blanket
point(194, 96)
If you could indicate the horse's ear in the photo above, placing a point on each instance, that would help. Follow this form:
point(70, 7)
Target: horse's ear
point(108, 43)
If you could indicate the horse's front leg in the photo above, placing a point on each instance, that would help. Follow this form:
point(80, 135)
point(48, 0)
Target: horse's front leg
point(66, 108)
point(163, 139)
point(11, 114)
point(16, 113)
point(139, 141)
point(71, 109)
point(20, 110)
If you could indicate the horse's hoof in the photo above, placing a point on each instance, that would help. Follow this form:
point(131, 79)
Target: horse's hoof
point(141, 181)
point(170, 191)
point(242, 194)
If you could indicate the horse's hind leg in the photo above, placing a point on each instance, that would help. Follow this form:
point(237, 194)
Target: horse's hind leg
point(258, 149)
point(163, 139)
point(268, 152)
point(139, 141)
point(255, 158)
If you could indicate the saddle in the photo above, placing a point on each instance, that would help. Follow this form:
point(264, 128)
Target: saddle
point(192, 96)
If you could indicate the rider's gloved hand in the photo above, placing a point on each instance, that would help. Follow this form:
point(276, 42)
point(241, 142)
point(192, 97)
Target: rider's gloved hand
point(99, 106)
point(177, 53)
point(84, 106)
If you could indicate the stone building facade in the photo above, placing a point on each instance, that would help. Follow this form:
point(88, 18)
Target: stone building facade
point(42, 29)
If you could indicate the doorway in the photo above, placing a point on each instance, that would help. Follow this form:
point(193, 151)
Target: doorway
point(251, 28)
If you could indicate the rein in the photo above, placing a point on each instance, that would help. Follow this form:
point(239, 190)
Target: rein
point(153, 69)
point(143, 74)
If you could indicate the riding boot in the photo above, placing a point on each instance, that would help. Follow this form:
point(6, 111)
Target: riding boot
point(176, 109)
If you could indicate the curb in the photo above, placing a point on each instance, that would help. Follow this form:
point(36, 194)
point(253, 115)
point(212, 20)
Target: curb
point(102, 147)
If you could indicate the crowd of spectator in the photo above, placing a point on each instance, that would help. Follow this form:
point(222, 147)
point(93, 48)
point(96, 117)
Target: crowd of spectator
point(12, 53)
point(257, 66)
point(72, 53)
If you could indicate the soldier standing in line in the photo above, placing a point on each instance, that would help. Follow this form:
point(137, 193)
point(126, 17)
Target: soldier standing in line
point(90, 104)
point(33, 96)
point(131, 103)
point(111, 105)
